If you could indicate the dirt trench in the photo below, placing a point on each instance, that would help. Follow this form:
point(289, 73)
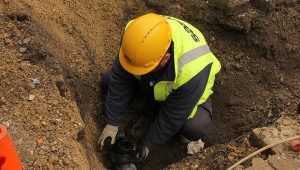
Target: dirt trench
point(65, 44)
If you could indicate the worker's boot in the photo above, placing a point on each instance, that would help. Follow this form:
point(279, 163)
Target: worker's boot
point(148, 108)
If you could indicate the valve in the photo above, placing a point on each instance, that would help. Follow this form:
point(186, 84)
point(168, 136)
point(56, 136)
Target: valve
point(122, 154)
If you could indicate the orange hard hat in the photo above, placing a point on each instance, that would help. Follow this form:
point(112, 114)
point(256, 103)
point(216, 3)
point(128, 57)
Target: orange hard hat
point(144, 43)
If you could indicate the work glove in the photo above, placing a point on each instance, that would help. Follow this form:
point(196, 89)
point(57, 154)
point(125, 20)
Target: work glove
point(108, 131)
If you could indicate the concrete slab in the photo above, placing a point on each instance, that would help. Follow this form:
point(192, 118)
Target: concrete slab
point(281, 156)
point(258, 163)
point(283, 129)
point(284, 162)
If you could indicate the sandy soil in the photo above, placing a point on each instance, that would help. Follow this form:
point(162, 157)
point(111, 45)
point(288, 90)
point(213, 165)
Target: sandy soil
point(52, 53)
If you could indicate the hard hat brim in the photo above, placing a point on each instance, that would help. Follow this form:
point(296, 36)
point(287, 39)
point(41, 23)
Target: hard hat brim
point(134, 69)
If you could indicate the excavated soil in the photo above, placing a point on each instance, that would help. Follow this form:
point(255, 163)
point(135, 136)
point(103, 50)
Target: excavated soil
point(52, 52)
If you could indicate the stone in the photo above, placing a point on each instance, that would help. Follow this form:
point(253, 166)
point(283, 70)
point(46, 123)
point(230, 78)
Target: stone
point(40, 142)
point(31, 97)
point(22, 50)
point(258, 163)
point(230, 7)
point(26, 40)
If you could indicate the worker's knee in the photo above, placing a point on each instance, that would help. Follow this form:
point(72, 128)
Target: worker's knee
point(196, 128)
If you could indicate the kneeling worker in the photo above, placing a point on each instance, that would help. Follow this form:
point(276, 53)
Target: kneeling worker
point(165, 70)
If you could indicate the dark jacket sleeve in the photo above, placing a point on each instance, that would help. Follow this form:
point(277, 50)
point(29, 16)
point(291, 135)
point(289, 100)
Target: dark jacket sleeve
point(176, 110)
point(119, 93)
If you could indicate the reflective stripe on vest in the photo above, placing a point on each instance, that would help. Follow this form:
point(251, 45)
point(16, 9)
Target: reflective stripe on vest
point(170, 87)
point(188, 57)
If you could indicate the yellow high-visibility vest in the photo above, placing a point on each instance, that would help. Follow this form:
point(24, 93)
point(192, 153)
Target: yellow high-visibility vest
point(191, 55)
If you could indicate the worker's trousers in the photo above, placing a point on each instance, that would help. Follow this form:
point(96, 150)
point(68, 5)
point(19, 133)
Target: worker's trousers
point(193, 129)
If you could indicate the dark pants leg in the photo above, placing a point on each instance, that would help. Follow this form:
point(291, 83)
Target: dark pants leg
point(105, 77)
point(195, 128)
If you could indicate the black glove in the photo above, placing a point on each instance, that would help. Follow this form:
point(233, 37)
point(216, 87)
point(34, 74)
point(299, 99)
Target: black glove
point(142, 151)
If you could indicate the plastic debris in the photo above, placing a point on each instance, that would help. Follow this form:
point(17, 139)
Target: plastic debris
point(295, 145)
point(35, 81)
point(195, 146)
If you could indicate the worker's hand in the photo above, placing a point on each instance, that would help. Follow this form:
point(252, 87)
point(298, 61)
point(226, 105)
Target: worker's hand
point(108, 131)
